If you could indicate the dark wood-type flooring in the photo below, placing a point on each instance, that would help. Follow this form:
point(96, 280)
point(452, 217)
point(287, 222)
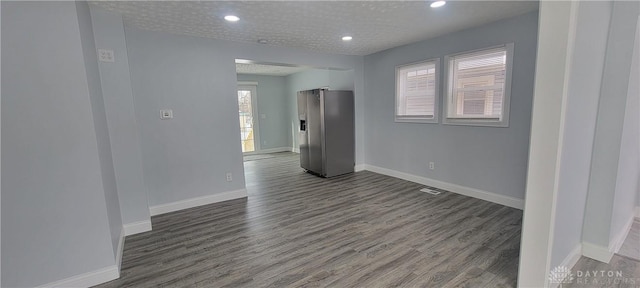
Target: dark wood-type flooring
point(299, 230)
point(621, 272)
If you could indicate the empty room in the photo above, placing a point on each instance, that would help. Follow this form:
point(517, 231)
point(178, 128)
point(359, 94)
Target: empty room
point(320, 144)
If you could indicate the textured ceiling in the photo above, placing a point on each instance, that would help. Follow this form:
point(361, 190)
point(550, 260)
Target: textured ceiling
point(316, 25)
point(271, 70)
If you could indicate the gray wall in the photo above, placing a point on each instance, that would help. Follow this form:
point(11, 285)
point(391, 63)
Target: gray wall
point(312, 79)
point(609, 123)
point(274, 104)
point(0, 154)
point(54, 213)
point(123, 128)
point(100, 123)
point(628, 170)
point(188, 156)
point(485, 158)
point(580, 121)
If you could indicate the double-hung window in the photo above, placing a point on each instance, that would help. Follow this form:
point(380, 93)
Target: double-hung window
point(417, 92)
point(478, 86)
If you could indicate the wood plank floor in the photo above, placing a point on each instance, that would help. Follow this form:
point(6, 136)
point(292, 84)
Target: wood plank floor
point(631, 246)
point(589, 273)
point(299, 230)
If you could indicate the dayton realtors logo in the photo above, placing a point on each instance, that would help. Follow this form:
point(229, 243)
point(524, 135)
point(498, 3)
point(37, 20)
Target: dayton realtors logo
point(561, 275)
point(564, 275)
point(607, 278)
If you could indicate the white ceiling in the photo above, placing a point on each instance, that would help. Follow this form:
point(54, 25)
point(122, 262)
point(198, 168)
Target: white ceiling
point(316, 25)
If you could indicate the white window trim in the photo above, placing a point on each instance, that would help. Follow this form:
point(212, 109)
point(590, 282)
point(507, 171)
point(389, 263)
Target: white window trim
point(436, 100)
point(506, 102)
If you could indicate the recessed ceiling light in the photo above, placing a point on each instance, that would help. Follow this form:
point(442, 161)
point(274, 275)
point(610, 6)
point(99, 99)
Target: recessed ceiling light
point(438, 4)
point(231, 18)
point(347, 38)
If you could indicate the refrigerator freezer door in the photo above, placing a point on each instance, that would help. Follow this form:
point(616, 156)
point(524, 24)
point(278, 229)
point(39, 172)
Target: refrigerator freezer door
point(303, 139)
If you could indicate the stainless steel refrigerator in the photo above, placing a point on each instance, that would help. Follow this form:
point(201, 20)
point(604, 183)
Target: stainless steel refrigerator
point(327, 131)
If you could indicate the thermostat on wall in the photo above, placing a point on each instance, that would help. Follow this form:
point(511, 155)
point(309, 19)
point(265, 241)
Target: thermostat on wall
point(166, 114)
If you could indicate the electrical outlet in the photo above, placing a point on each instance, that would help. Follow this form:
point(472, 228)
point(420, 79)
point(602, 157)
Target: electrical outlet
point(229, 177)
point(106, 55)
point(166, 114)
point(432, 165)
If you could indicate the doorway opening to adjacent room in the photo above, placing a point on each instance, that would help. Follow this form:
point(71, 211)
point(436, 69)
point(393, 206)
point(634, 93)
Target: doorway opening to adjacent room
point(268, 113)
point(267, 103)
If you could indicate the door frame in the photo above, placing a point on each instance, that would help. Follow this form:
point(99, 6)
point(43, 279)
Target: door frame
point(253, 87)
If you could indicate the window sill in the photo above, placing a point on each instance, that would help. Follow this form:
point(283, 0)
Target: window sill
point(427, 121)
point(476, 122)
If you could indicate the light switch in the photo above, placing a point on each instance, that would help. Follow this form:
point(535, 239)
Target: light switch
point(106, 55)
point(166, 114)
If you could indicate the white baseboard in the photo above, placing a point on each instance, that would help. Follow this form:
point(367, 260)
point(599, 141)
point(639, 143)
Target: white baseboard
point(295, 149)
point(573, 257)
point(195, 202)
point(137, 227)
point(267, 151)
point(120, 250)
point(597, 252)
point(88, 279)
point(604, 254)
point(459, 189)
point(569, 261)
point(359, 167)
point(97, 276)
point(618, 240)
point(273, 150)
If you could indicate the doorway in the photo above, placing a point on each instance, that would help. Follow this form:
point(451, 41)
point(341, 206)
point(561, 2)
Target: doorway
point(267, 98)
point(247, 103)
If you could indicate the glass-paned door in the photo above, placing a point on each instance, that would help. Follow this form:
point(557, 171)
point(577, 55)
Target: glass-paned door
point(248, 122)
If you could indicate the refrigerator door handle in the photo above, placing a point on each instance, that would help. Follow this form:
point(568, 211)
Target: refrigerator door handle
point(303, 125)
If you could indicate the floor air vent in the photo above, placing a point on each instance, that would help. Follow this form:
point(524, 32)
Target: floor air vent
point(430, 191)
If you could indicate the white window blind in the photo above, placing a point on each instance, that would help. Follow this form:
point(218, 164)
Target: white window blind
point(416, 90)
point(477, 83)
